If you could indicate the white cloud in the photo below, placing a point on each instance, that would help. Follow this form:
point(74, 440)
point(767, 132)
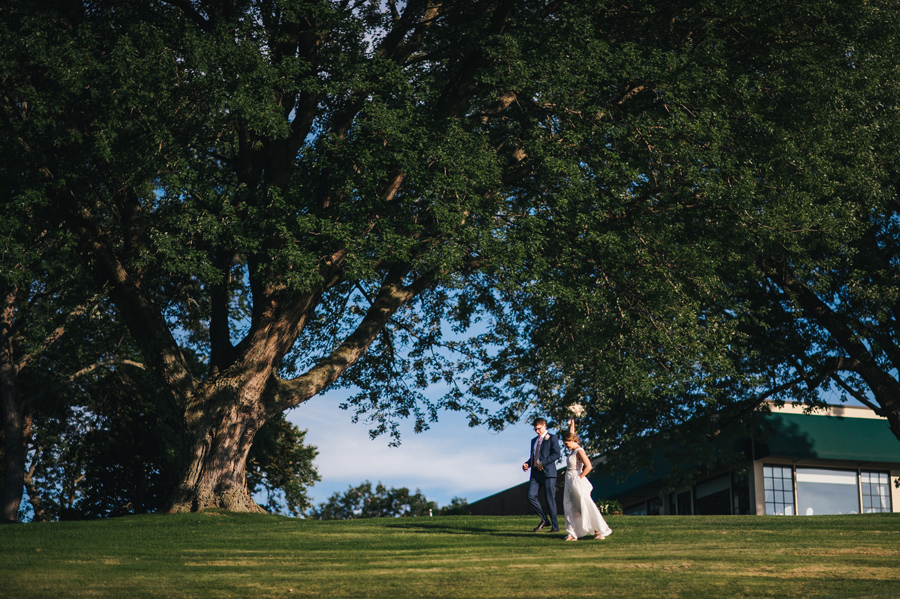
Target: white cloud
point(449, 460)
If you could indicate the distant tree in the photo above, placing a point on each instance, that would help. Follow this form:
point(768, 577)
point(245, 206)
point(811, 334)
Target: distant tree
point(380, 502)
point(458, 506)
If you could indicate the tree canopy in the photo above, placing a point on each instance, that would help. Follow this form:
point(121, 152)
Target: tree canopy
point(793, 218)
point(584, 202)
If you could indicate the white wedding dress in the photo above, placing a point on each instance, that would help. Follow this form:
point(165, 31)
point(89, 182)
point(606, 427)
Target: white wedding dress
point(582, 516)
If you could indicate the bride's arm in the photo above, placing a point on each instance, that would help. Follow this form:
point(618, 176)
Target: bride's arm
point(572, 425)
point(584, 460)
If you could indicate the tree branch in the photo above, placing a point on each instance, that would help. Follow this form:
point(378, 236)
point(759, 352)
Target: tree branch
point(143, 319)
point(816, 309)
point(56, 388)
point(859, 359)
point(54, 336)
point(393, 47)
point(40, 515)
point(860, 397)
point(107, 364)
point(192, 14)
point(392, 296)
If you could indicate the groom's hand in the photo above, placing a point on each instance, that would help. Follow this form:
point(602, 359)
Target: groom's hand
point(525, 467)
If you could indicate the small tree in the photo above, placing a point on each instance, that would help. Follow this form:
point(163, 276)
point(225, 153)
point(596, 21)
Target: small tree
point(458, 506)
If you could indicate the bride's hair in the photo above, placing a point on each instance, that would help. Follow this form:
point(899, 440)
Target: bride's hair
point(570, 436)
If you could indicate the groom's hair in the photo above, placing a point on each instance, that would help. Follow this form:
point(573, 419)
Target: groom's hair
point(538, 421)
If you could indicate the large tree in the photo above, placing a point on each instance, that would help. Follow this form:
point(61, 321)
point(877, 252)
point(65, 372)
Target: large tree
point(796, 276)
point(310, 191)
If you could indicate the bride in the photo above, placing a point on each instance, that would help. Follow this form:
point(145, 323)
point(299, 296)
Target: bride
point(582, 516)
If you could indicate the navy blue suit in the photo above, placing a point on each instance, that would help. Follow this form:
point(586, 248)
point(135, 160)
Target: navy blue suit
point(548, 454)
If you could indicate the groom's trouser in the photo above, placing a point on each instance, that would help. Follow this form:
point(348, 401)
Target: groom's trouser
point(549, 485)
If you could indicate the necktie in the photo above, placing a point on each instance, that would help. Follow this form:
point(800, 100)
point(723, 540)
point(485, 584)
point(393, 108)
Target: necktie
point(537, 450)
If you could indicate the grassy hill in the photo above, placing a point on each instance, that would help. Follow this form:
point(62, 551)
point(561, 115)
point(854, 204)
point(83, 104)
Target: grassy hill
point(240, 555)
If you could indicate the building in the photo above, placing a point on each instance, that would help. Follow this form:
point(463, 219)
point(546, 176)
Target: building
point(840, 460)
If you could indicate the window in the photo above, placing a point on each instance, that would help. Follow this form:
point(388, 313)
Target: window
point(876, 491)
point(683, 505)
point(824, 491)
point(778, 482)
point(639, 509)
point(680, 504)
point(713, 497)
point(651, 507)
point(740, 493)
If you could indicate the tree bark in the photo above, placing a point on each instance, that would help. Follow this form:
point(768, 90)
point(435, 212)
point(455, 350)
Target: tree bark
point(223, 415)
point(13, 450)
point(13, 417)
point(220, 427)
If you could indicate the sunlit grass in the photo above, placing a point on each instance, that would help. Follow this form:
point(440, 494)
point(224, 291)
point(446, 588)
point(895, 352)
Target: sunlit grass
point(242, 555)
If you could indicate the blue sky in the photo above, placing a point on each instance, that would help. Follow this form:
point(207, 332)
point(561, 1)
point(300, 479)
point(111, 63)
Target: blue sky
point(448, 460)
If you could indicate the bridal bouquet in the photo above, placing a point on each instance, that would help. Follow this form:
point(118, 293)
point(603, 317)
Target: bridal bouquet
point(576, 410)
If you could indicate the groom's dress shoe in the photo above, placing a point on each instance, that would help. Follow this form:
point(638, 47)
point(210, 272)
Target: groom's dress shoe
point(540, 526)
point(554, 530)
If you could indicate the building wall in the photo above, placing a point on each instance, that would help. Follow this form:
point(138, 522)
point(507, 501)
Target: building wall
point(895, 489)
point(757, 489)
point(514, 502)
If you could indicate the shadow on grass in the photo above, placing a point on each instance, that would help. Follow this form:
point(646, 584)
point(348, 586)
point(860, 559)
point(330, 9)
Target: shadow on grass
point(444, 528)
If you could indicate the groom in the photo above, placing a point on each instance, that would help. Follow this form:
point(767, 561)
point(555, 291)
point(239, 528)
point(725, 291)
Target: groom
point(542, 463)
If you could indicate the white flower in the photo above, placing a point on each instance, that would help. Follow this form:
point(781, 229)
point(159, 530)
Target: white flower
point(577, 410)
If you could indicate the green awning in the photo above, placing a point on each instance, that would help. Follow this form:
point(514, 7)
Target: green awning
point(829, 438)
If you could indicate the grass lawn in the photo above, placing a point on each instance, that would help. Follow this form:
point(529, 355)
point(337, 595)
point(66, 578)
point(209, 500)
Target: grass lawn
point(242, 555)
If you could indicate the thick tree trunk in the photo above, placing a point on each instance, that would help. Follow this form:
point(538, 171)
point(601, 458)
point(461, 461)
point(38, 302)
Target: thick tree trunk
point(14, 445)
point(13, 420)
point(220, 425)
